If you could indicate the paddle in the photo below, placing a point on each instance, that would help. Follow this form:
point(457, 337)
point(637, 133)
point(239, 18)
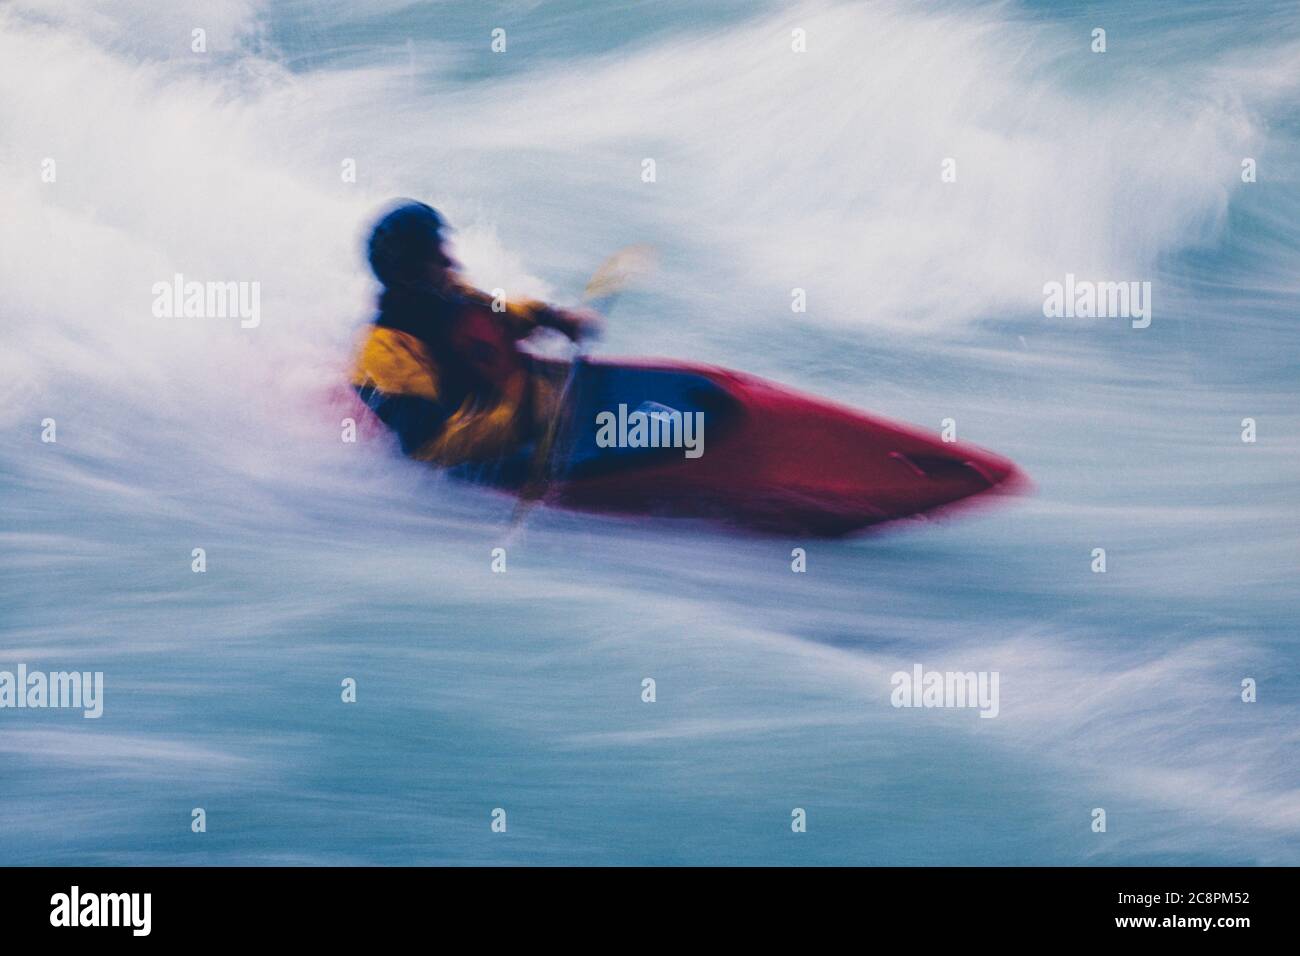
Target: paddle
point(615, 274)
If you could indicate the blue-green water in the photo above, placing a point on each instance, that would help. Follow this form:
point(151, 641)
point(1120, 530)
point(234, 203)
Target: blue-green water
point(775, 170)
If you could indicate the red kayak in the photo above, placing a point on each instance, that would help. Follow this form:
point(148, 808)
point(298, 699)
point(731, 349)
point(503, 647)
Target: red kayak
point(764, 456)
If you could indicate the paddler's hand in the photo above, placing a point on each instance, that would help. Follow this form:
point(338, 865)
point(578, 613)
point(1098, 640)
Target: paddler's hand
point(578, 324)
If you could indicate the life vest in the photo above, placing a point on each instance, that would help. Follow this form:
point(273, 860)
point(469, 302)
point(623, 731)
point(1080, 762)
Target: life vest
point(480, 339)
point(445, 374)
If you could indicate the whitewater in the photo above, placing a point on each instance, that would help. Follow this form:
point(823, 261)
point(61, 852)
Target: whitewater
point(326, 560)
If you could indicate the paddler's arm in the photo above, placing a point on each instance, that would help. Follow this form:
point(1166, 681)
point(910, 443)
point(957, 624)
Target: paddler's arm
point(576, 324)
point(527, 315)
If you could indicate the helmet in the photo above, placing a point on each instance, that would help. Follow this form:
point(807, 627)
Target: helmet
point(403, 241)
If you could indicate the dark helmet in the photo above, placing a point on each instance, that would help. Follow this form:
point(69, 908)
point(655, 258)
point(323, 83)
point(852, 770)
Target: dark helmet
point(403, 242)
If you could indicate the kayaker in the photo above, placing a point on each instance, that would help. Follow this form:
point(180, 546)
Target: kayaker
point(440, 365)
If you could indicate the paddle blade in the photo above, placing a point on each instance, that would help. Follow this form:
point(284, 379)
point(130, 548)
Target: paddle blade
point(621, 270)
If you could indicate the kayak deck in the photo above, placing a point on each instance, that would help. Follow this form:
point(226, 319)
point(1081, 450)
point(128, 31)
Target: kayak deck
point(771, 459)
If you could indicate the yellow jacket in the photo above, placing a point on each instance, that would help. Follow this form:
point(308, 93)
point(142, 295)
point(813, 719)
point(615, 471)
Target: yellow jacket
point(444, 374)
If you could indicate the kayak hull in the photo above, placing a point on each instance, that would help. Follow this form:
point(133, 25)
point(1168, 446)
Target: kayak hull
point(771, 458)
